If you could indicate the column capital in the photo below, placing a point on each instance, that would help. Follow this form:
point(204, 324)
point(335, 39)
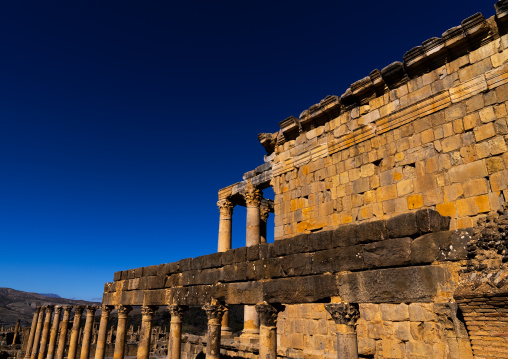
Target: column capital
point(106, 309)
point(225, 208)
point(148, 310)
point(252, 195)
point(90, 309)
point(67, 308)
point(268, 313)
point(123, 310)
point(264, 212)
point(343, 313)
point(214, 311)
point(58, 310)
point(38, 309)
point(49, 308)
point(177, 311)
point(78, 309)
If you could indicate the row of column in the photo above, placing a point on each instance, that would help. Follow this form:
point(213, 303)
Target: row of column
point(257, 216)
point(42, 339)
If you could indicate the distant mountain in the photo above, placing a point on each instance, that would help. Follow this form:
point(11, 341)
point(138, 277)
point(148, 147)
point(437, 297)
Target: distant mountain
point(51, 295)
point(15, 304)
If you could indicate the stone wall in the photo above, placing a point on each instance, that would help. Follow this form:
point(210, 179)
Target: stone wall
point(394, 144)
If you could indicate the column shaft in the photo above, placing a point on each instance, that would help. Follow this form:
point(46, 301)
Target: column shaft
point(268, 330)
point(38, 332)
point(16, 332)
point(225, 225)
point(32, 333)
point(73, 344)
point(62, 337)
point(146, 331)
point(45, 331)
point(103, 331)
point(214, 312)
point(175, 332)
point(54, 332)
point(121, 330)
point(345, 316)
point(87, 334)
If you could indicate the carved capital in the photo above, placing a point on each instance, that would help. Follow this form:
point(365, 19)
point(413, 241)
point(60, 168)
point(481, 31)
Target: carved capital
point(343, 313)
point(147, 312)
point(58, 310)
point(90, 310)
point(67, 308)
point(225, 208)
point(123, 311)
point(214, 311)
point(252, 195)
point(49, 308)
point(264, 212)
point(177, 311)
point(268, 313)
point(78, 310)
point(38, 309)
point(106, 310)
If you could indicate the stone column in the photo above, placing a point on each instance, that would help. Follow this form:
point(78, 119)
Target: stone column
point(45, 331)
point(103, 331)
point(16, 332)
point(123, 312)
point(264, 212)
point(252, 197)
point(268, 330)
point(225, 241)
point(73, 344)
point(62, 338)
point(214, 311)
point(175, 332)
point(225, 224)
point(54, 332)
point(146, 331)
point(38, 331)
point(345, 316)
point(32, 332)
point(87, 334)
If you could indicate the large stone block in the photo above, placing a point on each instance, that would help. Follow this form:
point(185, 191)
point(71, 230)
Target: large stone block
point(429, 220)
point(244, 293)
point(388, 253)
point(338, 259)
point(393, 285)
point(300, 289)
point(402, 226)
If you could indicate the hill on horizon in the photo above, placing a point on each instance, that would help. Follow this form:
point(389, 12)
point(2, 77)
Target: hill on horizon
point(16, 304)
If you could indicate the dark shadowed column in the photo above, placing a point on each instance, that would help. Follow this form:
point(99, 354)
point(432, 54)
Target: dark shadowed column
point(214, 311)
point(121, 329)
point(87, 334)
point(16, 332)
point(54, 332)
point(103, 331)
point(32, 333)
point(73, 344)
point(38, 331)
point(345, 316)
point(175, 333)
point(268, 329)
point(147, 312)
point(62, 337)
point(264, 212)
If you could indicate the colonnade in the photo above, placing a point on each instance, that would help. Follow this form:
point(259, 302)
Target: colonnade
point(258, 210)
point(47, 339)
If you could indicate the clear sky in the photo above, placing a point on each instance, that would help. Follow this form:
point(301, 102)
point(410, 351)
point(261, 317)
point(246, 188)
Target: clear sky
point(120, 120)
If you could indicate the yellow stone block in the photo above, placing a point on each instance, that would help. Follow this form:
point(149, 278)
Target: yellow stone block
point(452, 192)
point(475, 187)
point(447, 209)
point(415, 201)
point(399, 156)
point(483, 132)
point(301, 227)
point(464, 222)
point(386, 192)
point(405, 187)
point(346, 218)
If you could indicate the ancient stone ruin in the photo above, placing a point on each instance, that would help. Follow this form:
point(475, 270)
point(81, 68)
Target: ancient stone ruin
point(390, 226)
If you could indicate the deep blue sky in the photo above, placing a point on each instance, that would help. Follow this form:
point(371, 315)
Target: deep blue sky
point(120, 120)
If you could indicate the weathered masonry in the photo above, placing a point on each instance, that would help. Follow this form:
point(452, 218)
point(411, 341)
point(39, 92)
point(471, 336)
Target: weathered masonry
point(390, 222)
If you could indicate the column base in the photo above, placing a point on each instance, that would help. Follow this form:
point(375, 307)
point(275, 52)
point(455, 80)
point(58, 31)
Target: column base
point(249, 336)
point(226, 333)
